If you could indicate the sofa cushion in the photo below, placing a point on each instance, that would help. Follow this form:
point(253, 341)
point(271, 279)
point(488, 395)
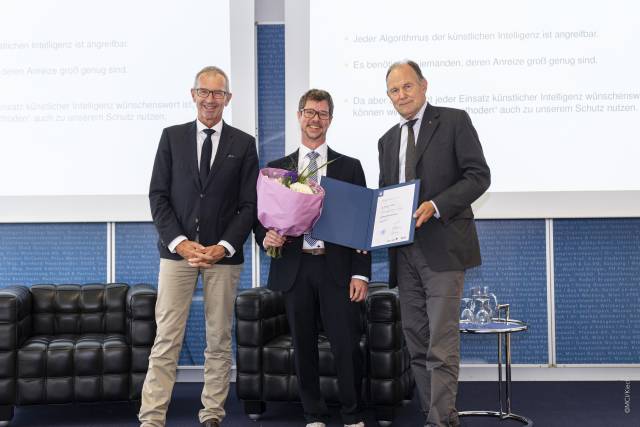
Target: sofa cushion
point(75, 309)
point(63, 368)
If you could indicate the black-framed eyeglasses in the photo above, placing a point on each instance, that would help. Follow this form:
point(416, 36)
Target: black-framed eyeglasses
point(310, 113)
point(204, 93)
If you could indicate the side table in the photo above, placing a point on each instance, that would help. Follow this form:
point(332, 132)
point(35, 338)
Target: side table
point(503, 328)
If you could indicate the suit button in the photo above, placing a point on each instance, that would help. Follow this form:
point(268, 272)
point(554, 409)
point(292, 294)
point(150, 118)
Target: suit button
point(201, 196)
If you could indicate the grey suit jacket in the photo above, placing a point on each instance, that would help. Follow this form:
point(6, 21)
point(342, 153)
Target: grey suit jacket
point(453, 173)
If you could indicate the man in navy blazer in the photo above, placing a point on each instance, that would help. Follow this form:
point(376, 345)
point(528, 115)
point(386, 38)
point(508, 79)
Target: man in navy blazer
point(320, 279)
point(440, 147)
point(203, 204)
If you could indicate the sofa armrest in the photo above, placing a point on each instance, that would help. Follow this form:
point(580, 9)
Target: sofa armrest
point(260, 316)
point(141, 332)
point(15, 328)
point(15, 316)
point(140, 307)
point(390, 374)
point(384, 326)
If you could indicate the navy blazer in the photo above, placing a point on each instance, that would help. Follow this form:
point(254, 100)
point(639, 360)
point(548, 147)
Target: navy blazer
point(343, 262)
point(223, 209)
point(453, 173)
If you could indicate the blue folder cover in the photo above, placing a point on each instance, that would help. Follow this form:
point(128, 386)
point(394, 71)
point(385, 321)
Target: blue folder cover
point(349, 211)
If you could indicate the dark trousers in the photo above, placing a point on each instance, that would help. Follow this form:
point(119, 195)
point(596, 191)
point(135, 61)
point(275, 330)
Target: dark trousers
point(314, 294)
point(430, 304)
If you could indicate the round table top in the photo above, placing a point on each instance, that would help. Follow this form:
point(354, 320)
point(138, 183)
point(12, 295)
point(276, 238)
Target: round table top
point(496, 326)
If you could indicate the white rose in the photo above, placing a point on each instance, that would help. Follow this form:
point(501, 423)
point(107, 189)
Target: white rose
point(301, 188)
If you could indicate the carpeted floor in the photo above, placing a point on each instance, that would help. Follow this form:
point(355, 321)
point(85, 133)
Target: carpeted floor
point(548, 404)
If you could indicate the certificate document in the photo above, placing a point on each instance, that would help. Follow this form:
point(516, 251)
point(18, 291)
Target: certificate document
point(393, 222)
point(363, 218)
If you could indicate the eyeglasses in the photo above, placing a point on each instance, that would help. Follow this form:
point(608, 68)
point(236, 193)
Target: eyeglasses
point(204, 93)
point(310, 113)
point(406, 88)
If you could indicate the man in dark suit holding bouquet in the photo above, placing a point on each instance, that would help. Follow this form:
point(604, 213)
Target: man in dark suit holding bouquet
point(320, 278)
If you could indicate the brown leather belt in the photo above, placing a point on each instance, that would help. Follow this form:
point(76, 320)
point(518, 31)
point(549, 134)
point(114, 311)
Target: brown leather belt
point(317, 251)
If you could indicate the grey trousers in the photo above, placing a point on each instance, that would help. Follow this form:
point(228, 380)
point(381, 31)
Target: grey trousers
point(430, 304)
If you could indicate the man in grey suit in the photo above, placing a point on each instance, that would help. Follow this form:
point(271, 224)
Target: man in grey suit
point(440, 147)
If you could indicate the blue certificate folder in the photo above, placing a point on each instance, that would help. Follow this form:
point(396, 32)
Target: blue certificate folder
point(349, 212)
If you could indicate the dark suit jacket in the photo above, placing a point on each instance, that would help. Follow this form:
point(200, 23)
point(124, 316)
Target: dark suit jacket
point(453, 173)
point(223, 210)
point(343, 262)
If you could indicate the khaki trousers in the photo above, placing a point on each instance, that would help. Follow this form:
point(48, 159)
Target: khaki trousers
point(176, 283)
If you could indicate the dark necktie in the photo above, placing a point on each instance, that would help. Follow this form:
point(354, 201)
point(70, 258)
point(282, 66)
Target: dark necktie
point(313, 166)
point(205, 156)
point(410, 154)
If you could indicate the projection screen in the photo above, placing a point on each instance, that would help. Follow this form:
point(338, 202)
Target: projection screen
point(551, 88)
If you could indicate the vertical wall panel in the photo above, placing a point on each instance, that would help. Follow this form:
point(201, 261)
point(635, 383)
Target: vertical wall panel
point(136, 254)
point(53, 253)
point(271, 116)
point(597, 290)
point(514, 267)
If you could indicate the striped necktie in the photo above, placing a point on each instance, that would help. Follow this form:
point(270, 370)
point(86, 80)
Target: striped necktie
point(313, 166)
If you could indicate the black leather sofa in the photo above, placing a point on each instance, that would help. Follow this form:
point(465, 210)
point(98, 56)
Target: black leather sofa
point(265, 369)
point(72, 343)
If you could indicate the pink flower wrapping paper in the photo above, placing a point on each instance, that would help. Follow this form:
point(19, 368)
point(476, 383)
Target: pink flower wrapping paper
point(288, 212)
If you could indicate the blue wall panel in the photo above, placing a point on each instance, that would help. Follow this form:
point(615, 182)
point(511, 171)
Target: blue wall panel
point(514, 267)
point(597, 290)
point(53, 253)
point(271, 108)
point(136, 257)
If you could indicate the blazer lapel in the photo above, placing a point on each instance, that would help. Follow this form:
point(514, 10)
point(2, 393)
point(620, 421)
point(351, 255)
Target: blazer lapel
point(428, 126)
point(292, 161)
point(289, 162)
point(393, 153)
point(192, 146)
point(224, 145)
point(332, 168)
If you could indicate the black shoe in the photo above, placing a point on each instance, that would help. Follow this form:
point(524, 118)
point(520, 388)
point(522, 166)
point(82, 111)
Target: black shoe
point(211, 423)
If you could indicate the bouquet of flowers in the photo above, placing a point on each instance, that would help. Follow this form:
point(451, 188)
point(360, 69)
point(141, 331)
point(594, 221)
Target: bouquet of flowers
point(288, 202)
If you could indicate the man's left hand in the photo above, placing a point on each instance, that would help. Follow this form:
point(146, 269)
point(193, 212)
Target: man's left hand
point(208, 256)
point(358, 290)
point(424, 213)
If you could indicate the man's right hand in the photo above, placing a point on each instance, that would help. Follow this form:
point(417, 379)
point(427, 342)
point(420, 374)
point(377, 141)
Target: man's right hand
point(189, 249)
point(273, 240)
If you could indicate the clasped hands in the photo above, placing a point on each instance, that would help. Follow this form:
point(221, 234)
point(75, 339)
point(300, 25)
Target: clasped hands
point(199, 255)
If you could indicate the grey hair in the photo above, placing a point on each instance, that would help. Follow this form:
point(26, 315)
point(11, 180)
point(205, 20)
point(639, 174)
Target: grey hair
point(408, 62)
point(212, 69)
